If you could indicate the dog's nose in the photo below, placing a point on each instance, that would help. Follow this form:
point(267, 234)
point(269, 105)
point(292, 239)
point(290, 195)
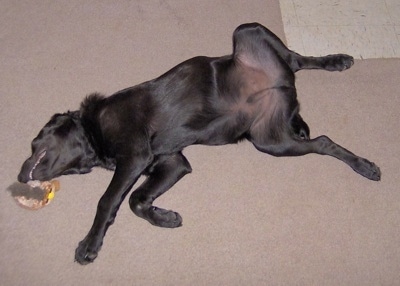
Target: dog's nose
point(23, 178)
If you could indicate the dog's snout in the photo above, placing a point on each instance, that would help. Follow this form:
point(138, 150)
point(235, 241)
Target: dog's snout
point(23, 178)
point(24, 173)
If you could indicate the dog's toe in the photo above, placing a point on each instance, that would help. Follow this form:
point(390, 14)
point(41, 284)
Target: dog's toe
point(375, 173)
point(346, 62)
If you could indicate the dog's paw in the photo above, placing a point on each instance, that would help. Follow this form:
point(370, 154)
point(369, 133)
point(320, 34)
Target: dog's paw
point(338, 62)
point(368, 169)
point(164, 218)
point(84, 253)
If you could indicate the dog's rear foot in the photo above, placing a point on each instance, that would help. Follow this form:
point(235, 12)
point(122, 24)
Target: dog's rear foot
point(368, 169)
point(338, 62)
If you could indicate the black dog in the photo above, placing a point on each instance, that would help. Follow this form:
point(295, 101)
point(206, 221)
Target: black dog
point(142, 130)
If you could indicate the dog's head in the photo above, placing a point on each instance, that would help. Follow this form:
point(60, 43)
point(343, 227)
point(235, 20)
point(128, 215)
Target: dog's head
point(61, 148)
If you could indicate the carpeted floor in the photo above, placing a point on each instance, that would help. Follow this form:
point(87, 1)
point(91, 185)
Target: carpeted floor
point(249, 219)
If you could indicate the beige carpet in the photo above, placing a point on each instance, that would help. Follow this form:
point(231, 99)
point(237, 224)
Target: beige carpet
point(249, 219)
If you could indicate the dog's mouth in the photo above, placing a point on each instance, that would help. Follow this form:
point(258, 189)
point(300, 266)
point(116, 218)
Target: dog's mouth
point(40, 157)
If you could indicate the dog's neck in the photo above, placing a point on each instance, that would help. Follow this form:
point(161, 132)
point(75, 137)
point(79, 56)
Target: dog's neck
point(88, 119)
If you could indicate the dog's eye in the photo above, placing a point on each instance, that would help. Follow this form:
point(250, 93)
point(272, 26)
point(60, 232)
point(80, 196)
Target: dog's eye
point(35, 145)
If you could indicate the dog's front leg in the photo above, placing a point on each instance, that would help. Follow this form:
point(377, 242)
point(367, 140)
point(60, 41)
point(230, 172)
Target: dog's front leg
point(125, 176)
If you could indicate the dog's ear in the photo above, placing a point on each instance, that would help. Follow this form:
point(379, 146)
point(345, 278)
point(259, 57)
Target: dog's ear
point(62, 124)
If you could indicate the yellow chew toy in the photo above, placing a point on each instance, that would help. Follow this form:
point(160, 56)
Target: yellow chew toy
point(38, 195)
point(50, 189)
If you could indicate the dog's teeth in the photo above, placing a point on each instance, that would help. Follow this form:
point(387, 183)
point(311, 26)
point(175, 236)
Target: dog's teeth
point(34, 184)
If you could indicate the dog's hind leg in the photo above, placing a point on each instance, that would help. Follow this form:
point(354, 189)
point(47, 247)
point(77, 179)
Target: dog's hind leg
point(257, 33)
point(290, 146)
point(162, 176)
point(335, 62)
point(300, 128)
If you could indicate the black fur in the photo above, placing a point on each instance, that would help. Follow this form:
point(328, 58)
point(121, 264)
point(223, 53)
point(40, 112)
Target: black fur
point(142, 130)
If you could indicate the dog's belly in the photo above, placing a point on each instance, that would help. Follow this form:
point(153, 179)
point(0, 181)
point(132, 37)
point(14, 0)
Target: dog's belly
point(171, 141)
point(176, 140)
point(256, 114)
point(240, 98)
